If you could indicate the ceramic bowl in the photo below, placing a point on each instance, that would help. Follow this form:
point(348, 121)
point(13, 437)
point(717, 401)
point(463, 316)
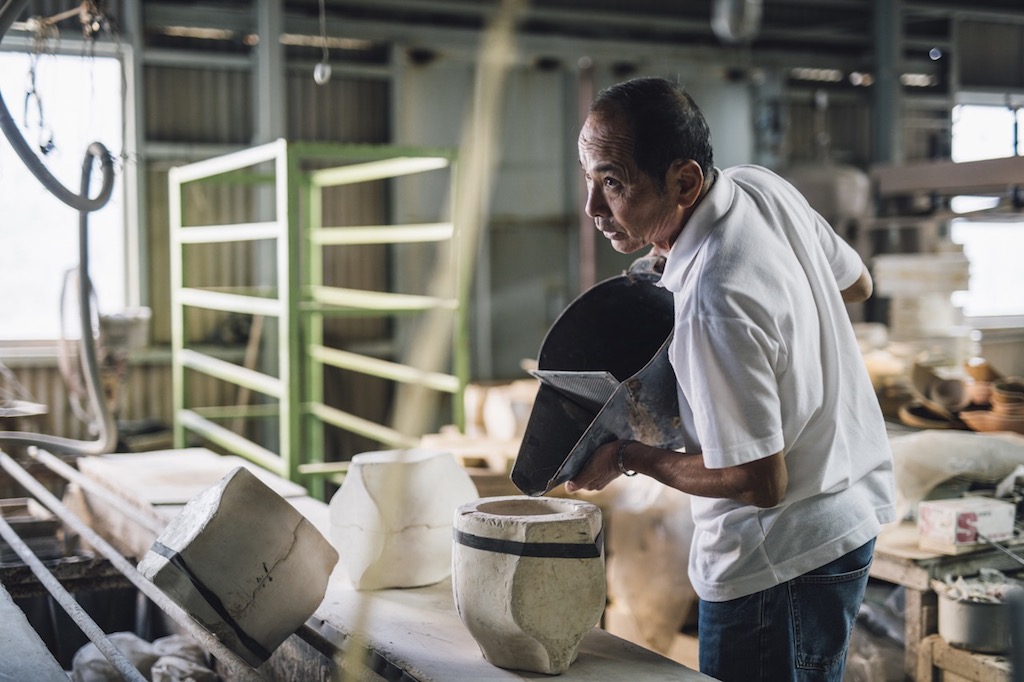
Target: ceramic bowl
point(987, 420)
point(1008, 409)
point(1008, 390)
point(951, 394)
point(916, 414)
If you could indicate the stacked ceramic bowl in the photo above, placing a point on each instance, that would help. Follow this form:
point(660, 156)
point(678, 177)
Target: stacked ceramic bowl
point(1008, 397)
point(1007, 413)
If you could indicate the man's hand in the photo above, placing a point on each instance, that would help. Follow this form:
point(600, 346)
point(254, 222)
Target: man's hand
point(600, 470)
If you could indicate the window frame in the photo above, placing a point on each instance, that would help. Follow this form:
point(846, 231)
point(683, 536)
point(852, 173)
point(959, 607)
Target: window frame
point(1006, 100)
point(127, 171)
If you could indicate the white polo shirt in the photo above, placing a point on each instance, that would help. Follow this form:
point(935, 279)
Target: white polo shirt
point(766, 361)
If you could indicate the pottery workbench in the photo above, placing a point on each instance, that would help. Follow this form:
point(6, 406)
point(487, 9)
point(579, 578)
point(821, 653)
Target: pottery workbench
point(419, 632)
point(900, 561)
point(412, 634)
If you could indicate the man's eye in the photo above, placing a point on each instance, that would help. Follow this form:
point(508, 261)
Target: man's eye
point(611, 183)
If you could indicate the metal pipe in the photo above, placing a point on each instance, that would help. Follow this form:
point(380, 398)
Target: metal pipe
point(229, 658)
point(71, 606)
point(9, 12)
point(56, 465)
point(1002, 548)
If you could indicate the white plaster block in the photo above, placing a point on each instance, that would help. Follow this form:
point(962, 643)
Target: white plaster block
point(244, 563)
point(391, 519)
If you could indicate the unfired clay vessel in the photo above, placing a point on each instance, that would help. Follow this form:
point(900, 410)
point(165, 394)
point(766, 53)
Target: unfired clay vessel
point(528, 577)
point(391, 518)
point(244, 563)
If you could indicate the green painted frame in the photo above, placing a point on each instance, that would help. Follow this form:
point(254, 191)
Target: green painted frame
point(301, 302)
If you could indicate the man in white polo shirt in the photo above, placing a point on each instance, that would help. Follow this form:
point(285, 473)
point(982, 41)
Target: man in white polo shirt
point(786, 456)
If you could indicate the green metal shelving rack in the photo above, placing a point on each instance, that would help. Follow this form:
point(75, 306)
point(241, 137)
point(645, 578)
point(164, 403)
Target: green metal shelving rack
point(300, 301)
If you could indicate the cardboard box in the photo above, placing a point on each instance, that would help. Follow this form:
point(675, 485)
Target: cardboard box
point(955, 526)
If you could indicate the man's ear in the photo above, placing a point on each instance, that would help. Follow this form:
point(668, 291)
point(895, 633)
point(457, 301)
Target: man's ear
point(686, 179)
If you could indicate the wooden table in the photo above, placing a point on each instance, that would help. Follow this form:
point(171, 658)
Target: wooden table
point(938, 661)
point(900, 561)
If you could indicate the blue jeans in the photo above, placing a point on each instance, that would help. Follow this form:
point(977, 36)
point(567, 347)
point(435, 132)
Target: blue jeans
point(798, 631)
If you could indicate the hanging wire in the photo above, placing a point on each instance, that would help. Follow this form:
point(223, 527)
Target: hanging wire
point(322, 71)
point(95, 21)
point(44, 32)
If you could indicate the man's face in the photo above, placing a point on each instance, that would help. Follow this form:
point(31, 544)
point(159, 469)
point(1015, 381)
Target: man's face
point(626, 204)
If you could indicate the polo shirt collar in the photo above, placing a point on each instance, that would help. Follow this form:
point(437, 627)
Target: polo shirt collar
point(696, 230)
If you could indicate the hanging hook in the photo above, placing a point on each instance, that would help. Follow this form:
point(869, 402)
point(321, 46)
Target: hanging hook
point(322, 71)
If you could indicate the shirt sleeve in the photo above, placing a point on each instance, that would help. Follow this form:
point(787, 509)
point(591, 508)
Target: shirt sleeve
point(843, 259)
point(731, 388)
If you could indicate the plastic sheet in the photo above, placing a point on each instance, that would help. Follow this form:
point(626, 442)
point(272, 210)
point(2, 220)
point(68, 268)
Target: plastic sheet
point(989, 587)
point(924, 460)
point(176, 658)
point(178, 669)
point(90, 665)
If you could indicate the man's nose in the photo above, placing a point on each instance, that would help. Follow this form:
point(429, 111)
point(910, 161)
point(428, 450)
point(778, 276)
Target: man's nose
point(596, 206)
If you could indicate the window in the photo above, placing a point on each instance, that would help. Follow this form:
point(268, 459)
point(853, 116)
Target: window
point(992, 246)
point(80, 101)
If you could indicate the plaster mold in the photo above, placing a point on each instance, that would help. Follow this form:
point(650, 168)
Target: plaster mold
point(528, 575)
point(244, 563)
point(391, 519)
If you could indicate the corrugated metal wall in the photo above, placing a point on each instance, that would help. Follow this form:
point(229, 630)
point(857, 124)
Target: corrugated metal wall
point(146, 396)
point(144, 405)
point(991, 55)
point(846, 123)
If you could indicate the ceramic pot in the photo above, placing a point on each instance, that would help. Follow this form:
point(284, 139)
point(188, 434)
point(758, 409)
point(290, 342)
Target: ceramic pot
point(528, 575)
point(977, 626)
point(391, 517)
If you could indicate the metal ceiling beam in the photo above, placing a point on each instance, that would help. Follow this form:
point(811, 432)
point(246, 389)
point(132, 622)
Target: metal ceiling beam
point(465, 41)
point(925, 9)
point(169, 14)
